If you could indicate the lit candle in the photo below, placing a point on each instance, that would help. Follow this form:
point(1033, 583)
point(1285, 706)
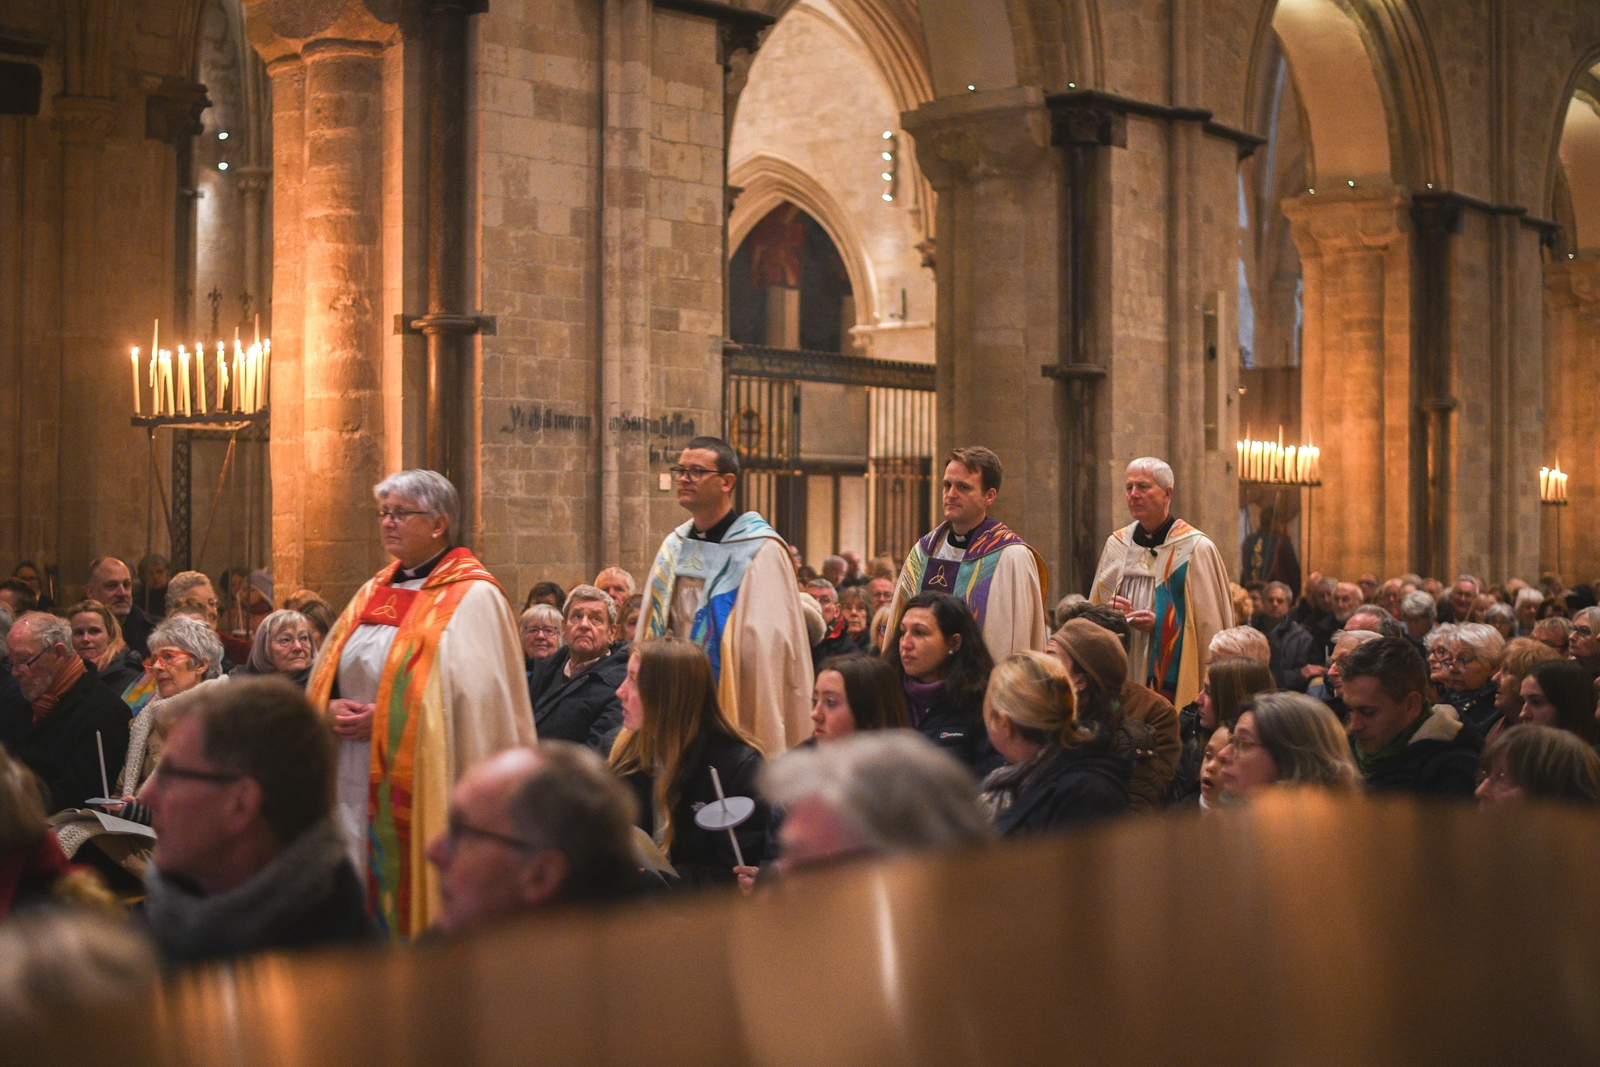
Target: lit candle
point(266, 373)
point(183, 380)
point(258, 328)
point(200, 375)
point(155, 340)
point(136, 410)
point(1238, 448)
point(166, 378)
point(222, 374)
point(238, 371)
point(155, 387)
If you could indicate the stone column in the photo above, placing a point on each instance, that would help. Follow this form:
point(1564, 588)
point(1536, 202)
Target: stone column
point(1572, 422)
point(83, 123)
point(341, 206)
point(287, 403)
point(1356, 378)
point(987, 155)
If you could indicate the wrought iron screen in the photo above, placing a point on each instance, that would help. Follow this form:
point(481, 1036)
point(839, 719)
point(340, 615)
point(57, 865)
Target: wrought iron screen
point(764, 391)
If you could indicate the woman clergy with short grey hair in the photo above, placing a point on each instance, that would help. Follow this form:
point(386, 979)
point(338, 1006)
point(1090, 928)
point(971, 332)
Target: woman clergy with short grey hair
point(421, 677)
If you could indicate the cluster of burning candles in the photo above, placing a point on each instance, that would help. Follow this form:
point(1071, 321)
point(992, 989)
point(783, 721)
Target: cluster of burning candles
point(1270, 461)
point(1552, 485)
point(240, 387)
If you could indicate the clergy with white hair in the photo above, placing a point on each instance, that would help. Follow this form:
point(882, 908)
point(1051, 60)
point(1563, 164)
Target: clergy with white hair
point(421, 678)
point(1168, 579)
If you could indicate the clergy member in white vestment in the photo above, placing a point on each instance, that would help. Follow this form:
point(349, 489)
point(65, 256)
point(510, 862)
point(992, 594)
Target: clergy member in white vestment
point(969, 555)
point(1168, 579)
point(422, 677)
point(726, 582)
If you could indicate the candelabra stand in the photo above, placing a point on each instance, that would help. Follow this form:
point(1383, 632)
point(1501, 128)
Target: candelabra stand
point(1308, 486)
point(177, 514)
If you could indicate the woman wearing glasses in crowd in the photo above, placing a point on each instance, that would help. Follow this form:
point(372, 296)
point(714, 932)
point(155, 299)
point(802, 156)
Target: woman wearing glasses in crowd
point(421, 677)
point(541, 634)
point(184, 654)
point(1471, 662)
point(284, 644)
point(1287, 738)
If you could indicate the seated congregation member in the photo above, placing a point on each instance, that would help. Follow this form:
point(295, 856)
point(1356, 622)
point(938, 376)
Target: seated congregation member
point(1400, 741)
point(150, 592)
point(1372, 618)
point(1559, 693)
point(855, 605)
point(1287, 738)
point(1436, 647)
point(1210, 796)
point(835, 641)
point(97, 637)
point(185, 654)
point(1554, 631)
point(249, 856)
point(1231, 682)
point(49, 719)
point(673, 733)
point(577, 686)
point(284, 644)
point(317, 612)
point(545, 593)
point(34, 873)
point(1289, 641)
point(1474, 657)
point(1583, 640)
point(421, 677)
point(1060, 772)
point(1539, 763)
point(109, 581)
point(944, 668)
point(617, 584)
point(628, 619)
point(1502, 618)
point(27, 572)
point(1417, 611)
point(1521, 655)
point(193, 584)
point(1326, 688)
point(1139, 723)
point(541, 636)
point(531, 829)
point(873, 794)
point(853, 693)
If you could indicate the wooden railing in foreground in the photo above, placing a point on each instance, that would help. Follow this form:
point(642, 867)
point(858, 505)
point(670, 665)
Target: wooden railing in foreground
point(1300, 930)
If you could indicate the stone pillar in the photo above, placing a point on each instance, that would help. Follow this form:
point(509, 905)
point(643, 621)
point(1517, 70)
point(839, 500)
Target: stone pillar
point(987, 155)
point(1572, 422)
point(287, 403)
point(253, 183)
point(83, 123)
point(1356, 377)
point(341, 202)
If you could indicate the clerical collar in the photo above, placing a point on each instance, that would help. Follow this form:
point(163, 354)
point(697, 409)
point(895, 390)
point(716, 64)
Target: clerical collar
point(717, 532)
point(403, 575)
point(960, 540)
point(1153, 541)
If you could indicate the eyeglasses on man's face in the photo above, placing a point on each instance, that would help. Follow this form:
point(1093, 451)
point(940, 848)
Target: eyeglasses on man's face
point(457, 828)
point(18, 668)
point(167, 772)
point(689, 474)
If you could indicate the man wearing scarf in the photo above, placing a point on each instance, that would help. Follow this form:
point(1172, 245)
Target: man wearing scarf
point(979, 559)
point(50, 719)
point(1168, 579)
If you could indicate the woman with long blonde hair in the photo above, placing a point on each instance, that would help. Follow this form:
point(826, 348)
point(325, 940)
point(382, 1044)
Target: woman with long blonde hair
point(673, 733)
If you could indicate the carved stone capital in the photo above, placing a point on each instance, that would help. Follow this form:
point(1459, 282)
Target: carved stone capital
point(172, 108)
point(252, 179)
point(1348, 221)
point(281, 28)
point(962, 139)
point(83, 119)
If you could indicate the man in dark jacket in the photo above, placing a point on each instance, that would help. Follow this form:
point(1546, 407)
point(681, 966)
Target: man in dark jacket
point(574, 691)
point(49, 719)
point(835, 640)
point(1400, 742)
point(248, 855)
point(1290, 642)
point(110, 582)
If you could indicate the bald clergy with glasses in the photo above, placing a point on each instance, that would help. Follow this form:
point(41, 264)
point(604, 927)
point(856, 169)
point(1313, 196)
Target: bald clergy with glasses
point(724, 580)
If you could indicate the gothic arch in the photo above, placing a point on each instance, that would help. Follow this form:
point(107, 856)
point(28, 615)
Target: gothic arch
point(1576, 198)
point(767, 180)
point(1346, 57)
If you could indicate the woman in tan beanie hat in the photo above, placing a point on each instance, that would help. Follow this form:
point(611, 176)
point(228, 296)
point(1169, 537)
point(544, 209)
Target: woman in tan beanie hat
point(1142, 725)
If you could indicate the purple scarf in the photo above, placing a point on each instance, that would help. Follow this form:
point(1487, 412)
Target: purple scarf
point(921, 696)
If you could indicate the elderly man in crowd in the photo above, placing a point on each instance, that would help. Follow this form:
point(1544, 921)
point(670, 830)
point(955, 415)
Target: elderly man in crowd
point(1168, 579)
point(248, 855)
point(1400, 741)
point(882, 592)
point(1583, 640)
point(110, 582)
point(1464, 592)
point(1290, 641)
point(532, 828)
point(617, 584)
point(195, 586)
point(1419, 614)
point(574, 690)
point(871, 794)
point(835, 638)
point(49, 720)
point(1372, 617)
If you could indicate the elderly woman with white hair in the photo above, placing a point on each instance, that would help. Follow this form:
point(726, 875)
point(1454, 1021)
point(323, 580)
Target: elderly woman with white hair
point(422, 677)
point(1168, 579)
point(284, 644)
point(1471, 659)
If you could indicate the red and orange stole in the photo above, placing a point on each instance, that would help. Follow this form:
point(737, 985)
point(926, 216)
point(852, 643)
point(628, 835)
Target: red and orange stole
point(408, 796)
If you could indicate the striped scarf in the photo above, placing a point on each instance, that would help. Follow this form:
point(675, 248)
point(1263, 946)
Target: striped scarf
point(64, 681)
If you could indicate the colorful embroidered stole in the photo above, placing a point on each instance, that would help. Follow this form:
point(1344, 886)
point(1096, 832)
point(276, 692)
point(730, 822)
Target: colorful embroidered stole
point(721, 566)
point(409, 761)
point(969, 577)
